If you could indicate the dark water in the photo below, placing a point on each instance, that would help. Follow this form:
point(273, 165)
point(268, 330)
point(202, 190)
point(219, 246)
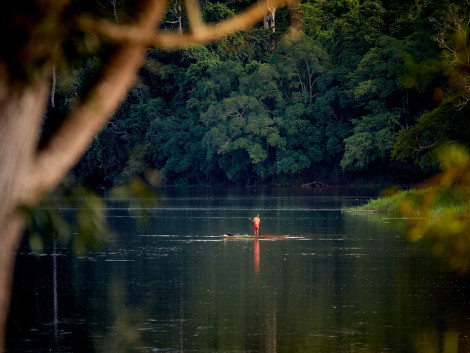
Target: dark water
point(341, 283)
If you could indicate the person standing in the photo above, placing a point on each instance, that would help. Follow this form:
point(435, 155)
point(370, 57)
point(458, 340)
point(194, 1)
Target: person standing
point(256, 221)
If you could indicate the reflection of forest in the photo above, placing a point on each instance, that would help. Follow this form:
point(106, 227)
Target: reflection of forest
point(355, 287)
point(357, 291)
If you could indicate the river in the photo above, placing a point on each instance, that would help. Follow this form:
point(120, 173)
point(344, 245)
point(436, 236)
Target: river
point(341, 282)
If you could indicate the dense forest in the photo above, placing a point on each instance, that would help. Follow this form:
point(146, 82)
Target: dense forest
point(361, 92)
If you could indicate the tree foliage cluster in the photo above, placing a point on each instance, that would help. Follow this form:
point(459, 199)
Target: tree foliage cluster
point(367, 86)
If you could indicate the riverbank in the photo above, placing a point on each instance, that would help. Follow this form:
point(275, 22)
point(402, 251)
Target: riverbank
point(432, 202)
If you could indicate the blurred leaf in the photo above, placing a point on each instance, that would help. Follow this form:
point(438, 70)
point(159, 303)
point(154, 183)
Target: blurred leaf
point(451, 342)
point(390, 191)
point(35, 243)
point(453, 156)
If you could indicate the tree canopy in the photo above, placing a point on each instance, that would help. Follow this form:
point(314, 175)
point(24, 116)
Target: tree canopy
point(365, 88)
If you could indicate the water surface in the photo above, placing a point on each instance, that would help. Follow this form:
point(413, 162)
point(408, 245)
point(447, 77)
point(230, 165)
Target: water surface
point(341, 283)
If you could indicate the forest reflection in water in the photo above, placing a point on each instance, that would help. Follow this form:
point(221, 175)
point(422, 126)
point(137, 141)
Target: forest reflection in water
point(341, 282)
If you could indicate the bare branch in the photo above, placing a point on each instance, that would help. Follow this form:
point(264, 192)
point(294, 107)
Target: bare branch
point(334, 115)
point(424, 148)
point(53, 87)
point(176, 11)
point(302, 85)
point(172, 40)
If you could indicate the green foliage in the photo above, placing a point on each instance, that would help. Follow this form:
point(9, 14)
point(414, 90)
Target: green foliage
point(365, 82)
point(75, 216)
point(374, 85)
point(217, 12)
point(46, 222)
point(291, 162)
point(300, 62)
point(434, 128)
point(447, 120)
point(419, 75)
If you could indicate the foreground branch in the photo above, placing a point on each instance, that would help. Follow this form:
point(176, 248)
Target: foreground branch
point(172, 40)
point(86, 119)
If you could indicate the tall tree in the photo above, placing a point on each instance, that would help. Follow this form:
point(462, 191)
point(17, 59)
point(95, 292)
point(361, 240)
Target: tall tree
point(447, 120)
point(377, 90)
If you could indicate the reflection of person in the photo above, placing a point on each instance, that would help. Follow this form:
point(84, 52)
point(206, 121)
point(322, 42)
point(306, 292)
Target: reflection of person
point(256, 221)
point(256, 254)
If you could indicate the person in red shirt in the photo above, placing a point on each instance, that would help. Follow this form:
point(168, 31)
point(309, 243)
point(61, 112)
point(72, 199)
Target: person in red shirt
point(256, 221)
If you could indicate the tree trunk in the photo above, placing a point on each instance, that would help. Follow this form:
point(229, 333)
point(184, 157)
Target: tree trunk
point(266, 21)
point(25, 172)
point(20, 118)
point(272, 11)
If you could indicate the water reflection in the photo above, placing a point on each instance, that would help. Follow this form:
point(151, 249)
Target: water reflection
point(256, 254)
point(342, 283)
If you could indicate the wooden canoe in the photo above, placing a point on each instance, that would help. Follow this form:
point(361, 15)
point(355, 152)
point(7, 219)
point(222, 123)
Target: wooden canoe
point(261, 236)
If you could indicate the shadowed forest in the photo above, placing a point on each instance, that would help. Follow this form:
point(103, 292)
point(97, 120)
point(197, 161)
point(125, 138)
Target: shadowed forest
point(363, 94)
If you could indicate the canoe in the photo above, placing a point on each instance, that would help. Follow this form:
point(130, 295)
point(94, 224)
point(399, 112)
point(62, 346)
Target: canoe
point(261, 236)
